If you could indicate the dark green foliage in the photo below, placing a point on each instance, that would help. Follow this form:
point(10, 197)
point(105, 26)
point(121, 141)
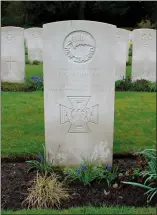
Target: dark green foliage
point(146, 24)
point(123, 85)
point(28, 61)
point(36, 62)
point(37, 13)
point(36, 83)
point(130, 50)
point(138, 85)
point(14, 87)
point(128, 63)
point(33, 84)
point(152, 87)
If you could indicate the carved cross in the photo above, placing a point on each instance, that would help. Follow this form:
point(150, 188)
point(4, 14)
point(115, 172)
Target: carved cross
point(79, 114)
point(10, 62)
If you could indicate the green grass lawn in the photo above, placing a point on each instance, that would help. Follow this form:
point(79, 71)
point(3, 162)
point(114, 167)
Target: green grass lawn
point(88, 210)
point(34, 70)
point(23, 122)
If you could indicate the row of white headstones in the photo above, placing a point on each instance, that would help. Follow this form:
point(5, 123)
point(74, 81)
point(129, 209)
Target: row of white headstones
point(81, 61)
point(13, 52)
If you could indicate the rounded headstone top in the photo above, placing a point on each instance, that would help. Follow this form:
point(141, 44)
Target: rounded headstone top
point(72, 22)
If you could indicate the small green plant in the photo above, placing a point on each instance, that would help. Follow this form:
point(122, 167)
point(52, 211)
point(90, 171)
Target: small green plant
point(36, 83)
point(41, 164)
point(152, 86)
point(131, 175)
point(128, 63)
point(111, 175)
point(130, 50)
point(89, 171)
point(118, 83)
point(46, 191)
point(140, 85)
point(28, 61)
point(123, 85)
point(36, 62)
point(149, 175)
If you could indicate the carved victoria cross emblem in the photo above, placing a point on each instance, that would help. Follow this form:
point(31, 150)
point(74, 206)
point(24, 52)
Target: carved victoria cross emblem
point(79, 114)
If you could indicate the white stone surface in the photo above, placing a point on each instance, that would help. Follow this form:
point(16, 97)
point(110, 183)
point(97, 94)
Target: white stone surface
point(144, 54)
point(121, 53)
point(12, 54)
point(34, 42)
point(79, 88)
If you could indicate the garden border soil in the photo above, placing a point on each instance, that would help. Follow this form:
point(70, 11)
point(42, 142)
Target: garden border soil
point(23, 158)
point(15, 181)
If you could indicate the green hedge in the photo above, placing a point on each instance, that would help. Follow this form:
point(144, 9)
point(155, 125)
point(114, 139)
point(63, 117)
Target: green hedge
point(36, 83)
point(138, 85)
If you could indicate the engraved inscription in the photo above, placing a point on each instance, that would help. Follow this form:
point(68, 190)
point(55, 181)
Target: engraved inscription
point(35, 34)
point(9, 36)
point(79, 114)
point(117, 37)
point(79, 72)
point(146, 39)
point(79, 46)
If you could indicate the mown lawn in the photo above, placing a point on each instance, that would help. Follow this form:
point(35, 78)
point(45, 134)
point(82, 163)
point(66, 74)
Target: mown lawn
point(23, 122)
point(88, 210)
point(33, 70)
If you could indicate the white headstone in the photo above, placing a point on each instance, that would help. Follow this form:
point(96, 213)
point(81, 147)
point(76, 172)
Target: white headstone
point(121, 53)
point(79, 88)
point(144, 54)
point(12, 54)
point(34, 41)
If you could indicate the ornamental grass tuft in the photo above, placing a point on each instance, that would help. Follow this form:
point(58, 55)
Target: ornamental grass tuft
point(46, 191)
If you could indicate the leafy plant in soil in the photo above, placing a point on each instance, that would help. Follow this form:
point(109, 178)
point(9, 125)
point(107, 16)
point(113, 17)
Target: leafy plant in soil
point(88, 172)
point(46, 191)
point(149, 175)
point(36, 83)
point(41, 165)
point(133, 174)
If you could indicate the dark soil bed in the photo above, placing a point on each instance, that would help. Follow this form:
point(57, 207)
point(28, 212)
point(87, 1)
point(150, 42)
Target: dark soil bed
point(14, 181)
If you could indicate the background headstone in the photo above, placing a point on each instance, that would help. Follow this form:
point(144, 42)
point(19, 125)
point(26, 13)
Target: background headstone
point(34, 43)
point(144, 54)
point(79, 88)
point(12, 54)
point(121, 53)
